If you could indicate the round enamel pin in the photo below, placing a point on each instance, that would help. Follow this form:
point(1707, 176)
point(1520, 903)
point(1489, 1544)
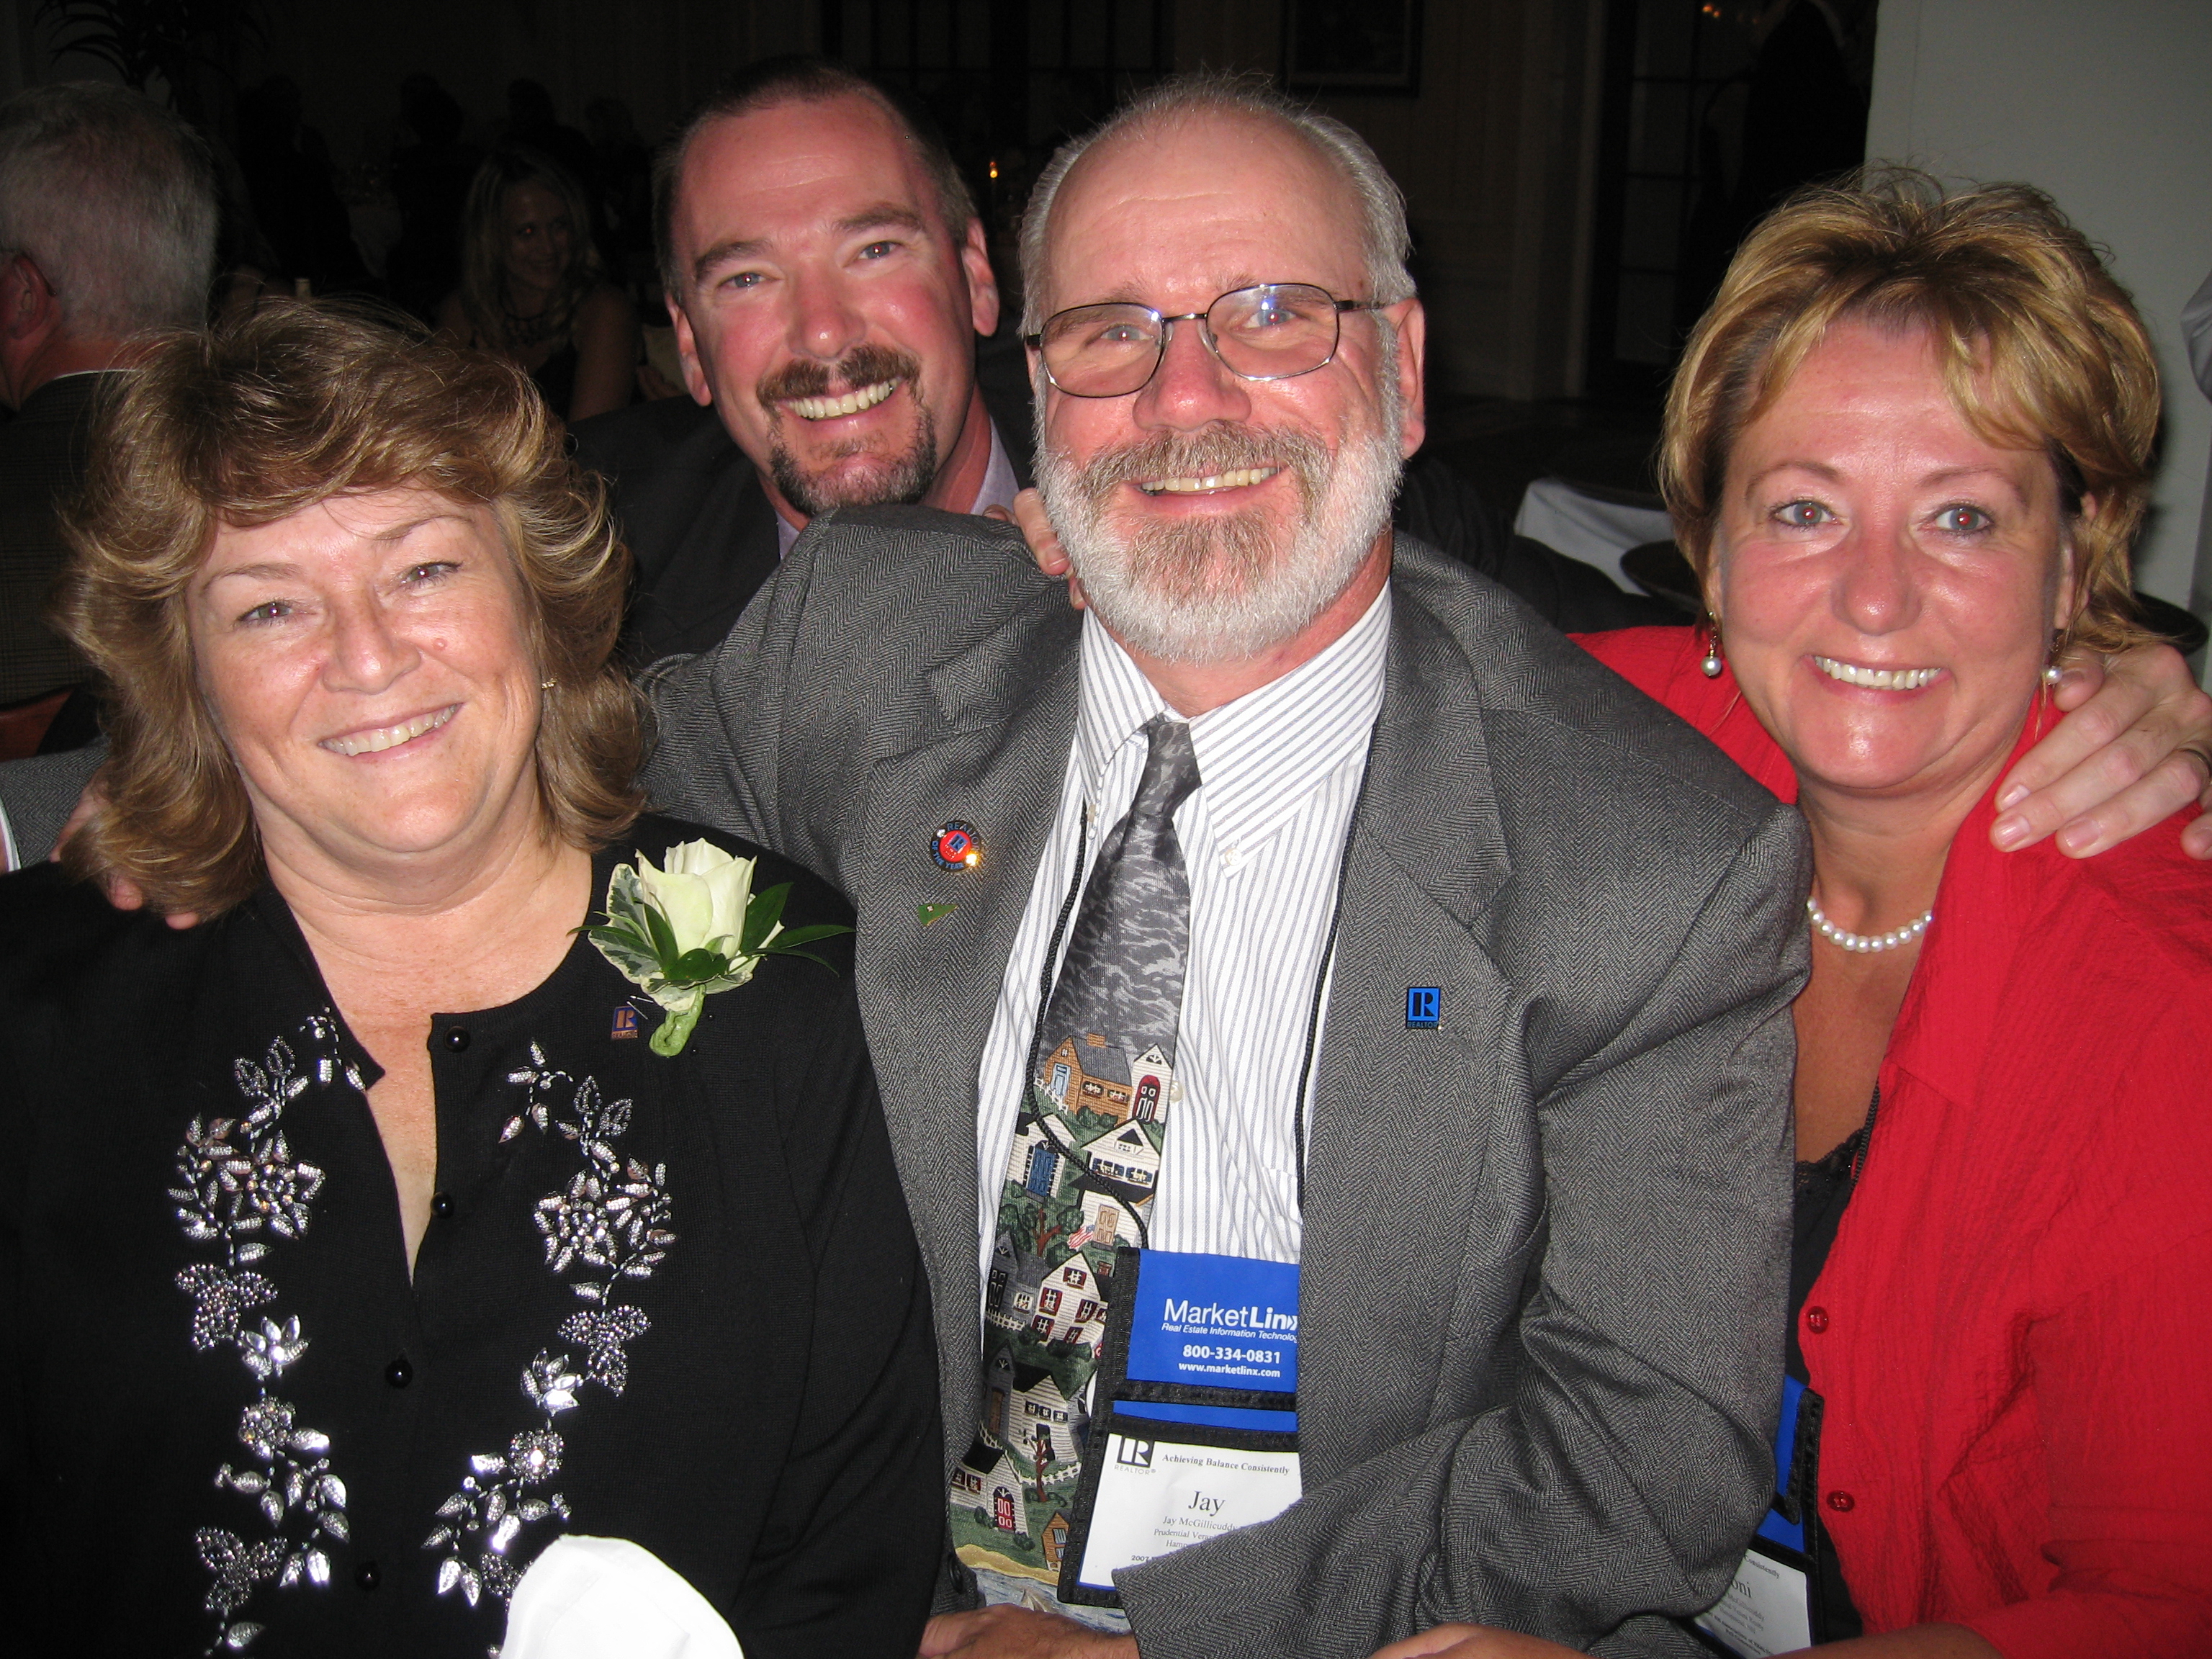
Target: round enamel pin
point(955, 846)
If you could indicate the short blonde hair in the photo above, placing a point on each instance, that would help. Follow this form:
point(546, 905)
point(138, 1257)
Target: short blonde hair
point(297, 404)
point(2039, 348)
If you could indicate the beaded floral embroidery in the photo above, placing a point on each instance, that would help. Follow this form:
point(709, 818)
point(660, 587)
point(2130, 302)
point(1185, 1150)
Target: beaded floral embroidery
point(609, 1224)
point(241, 1190)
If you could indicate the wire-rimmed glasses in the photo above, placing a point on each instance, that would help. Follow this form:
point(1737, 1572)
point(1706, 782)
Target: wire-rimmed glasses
point(1272, 332)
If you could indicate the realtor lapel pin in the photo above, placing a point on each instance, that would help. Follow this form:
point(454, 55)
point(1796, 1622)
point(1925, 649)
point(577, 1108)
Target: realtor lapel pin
point(955, 846)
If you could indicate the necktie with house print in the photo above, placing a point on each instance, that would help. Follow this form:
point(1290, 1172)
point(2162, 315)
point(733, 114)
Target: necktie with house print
point(1079, 1178)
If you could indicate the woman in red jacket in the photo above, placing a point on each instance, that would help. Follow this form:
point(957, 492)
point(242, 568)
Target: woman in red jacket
point(1906, 452)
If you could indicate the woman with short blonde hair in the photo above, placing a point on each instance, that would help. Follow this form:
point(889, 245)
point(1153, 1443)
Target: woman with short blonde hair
point(2037, 346)
point(1907, 451)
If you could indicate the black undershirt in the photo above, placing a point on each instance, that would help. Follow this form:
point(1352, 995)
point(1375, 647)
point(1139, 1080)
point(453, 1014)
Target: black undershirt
point(1824, 1188)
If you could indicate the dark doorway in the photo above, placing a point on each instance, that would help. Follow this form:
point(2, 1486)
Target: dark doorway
point(1715, 110)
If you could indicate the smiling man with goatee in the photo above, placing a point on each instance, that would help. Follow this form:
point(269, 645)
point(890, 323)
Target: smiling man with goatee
point(825, 271)
point(1321, 932)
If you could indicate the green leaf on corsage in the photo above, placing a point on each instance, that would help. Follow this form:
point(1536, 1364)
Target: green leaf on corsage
point(680, 933)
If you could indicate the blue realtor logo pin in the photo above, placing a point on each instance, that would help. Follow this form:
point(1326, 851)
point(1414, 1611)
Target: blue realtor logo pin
point(956, 847)
point(1424, 1006)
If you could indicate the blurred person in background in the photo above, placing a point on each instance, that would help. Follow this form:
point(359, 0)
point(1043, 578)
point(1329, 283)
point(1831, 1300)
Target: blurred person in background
point(430, 178)
point(294, 188)
point(108, 227)
point(533, 290)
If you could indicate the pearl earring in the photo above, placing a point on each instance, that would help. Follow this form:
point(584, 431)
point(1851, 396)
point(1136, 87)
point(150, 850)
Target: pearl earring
point(1712, 664)
point(2052, 674)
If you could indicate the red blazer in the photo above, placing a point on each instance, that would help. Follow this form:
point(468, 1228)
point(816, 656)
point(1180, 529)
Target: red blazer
point(2007, 1334)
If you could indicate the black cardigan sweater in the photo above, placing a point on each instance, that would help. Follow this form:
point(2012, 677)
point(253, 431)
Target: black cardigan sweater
point(676, 1301)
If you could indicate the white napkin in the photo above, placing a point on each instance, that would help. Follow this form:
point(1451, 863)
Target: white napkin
point(595, 1598)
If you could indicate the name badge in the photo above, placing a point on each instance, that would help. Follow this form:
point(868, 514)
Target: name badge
point(1196, 1428)
point(1767, 1608)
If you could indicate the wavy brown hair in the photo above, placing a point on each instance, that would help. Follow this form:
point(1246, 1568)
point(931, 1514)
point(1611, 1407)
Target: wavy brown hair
point(297, 404)
point(2039, 348)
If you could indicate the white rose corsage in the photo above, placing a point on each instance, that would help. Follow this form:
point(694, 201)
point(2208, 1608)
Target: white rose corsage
point(693, 927)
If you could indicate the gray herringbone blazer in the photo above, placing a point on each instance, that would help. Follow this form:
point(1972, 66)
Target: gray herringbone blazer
point(1545, 1259)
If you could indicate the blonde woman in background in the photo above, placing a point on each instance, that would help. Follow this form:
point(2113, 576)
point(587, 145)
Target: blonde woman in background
point(533, 291)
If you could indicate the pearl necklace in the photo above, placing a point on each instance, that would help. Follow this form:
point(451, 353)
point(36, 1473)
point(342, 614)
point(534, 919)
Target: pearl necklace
point(1850, 941)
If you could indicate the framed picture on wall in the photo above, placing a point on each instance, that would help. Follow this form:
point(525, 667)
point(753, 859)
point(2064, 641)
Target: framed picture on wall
point(1352, 46)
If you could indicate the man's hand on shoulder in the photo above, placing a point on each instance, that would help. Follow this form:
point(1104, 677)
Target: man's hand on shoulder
point(1472, 1642)
point(122, 892)
point(2135, 748)
point(1017, 1633)
point(1029, 517)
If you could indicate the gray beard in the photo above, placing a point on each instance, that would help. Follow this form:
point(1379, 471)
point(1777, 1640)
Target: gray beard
point(895, 480)
point(1220, 590)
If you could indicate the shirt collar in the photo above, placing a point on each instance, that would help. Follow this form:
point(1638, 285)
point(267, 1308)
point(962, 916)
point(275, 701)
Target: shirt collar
point(1260, 757)
point(1000, 486)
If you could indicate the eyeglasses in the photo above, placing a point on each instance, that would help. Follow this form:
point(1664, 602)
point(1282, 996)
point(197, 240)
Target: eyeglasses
point(1270, 333)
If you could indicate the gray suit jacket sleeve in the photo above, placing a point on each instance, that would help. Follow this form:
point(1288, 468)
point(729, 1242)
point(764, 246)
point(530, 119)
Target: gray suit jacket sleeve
point(39, 794)
point(708, 753)
point(903, 668)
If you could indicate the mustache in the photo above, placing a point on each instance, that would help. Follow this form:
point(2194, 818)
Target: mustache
point(863, 365)
point(1203, 454)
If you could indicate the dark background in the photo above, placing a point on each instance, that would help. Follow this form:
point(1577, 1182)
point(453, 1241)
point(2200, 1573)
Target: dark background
point(1575, 169)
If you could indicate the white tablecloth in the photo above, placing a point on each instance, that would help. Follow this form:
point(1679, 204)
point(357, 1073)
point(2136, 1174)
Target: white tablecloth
point(1592, 528)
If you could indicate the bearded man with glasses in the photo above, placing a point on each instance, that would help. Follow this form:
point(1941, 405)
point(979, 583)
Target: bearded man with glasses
point(1335, 1037)
point(1268, 331)
point(1302, 949)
